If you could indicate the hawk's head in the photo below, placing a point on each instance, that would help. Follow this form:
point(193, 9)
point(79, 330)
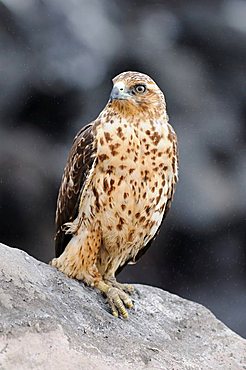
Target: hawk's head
point(134, 90)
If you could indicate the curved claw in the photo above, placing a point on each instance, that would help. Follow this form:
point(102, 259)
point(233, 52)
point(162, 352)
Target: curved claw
point(113, 308)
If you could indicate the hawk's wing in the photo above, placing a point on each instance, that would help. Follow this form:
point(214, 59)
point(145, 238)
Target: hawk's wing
point(79, 163)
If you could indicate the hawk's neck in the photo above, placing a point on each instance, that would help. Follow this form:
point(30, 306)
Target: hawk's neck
point(134, 113)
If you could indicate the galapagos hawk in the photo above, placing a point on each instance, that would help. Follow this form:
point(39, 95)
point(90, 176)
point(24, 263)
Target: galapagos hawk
point(117, 188)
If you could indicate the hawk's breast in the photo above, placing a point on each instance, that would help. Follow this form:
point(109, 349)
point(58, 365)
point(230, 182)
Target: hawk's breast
point(131, 183)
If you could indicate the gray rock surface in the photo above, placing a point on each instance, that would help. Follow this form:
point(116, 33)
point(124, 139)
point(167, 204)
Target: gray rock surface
point(48, 321)
point(57, 59)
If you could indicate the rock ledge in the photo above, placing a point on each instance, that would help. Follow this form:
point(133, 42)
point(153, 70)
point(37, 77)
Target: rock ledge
point(48, 321)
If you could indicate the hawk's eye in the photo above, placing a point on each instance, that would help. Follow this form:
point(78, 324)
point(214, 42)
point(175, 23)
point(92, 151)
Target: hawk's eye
point(140, 89)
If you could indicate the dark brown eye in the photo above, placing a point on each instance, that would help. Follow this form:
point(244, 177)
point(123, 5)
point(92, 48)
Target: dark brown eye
point(140, 89)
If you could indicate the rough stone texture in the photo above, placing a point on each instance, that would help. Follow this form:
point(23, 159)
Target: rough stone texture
point(48, 321)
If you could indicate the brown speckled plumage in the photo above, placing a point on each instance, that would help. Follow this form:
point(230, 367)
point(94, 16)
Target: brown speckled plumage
point(117, 187)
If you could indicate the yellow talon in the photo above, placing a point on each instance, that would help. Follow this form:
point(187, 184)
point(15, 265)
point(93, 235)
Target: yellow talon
point(125, 315)
point(115, 313)
point(117, 299)
point(128, 303)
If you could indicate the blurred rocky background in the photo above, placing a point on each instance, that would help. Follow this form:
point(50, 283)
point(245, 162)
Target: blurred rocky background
point(57, 59)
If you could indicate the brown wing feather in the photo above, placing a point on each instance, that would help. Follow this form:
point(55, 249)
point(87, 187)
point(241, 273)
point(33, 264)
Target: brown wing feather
point(79, 163)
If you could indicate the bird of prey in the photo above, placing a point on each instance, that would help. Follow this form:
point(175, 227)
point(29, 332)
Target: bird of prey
point(117, 188)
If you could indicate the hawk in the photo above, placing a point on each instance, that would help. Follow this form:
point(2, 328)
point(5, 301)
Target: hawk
point(117, 188)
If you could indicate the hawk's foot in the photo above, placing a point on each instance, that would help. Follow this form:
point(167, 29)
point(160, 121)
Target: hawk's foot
point(128, 288)
point(117, 299)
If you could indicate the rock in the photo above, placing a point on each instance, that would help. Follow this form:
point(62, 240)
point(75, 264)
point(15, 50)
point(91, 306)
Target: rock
point(48, 321)
point(58, 58)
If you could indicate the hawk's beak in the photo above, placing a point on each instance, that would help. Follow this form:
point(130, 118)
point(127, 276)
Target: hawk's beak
point(118, 93)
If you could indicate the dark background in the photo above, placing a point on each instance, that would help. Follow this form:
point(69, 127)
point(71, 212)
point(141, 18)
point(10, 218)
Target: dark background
point(57, 59)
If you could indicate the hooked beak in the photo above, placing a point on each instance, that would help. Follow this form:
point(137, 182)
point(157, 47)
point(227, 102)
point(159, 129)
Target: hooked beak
point(118, 93)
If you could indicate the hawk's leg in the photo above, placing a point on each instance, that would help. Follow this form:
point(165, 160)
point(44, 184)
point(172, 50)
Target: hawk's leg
point(79, 261)
point(117, 299)
point(128, 288)
point(80, 255)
